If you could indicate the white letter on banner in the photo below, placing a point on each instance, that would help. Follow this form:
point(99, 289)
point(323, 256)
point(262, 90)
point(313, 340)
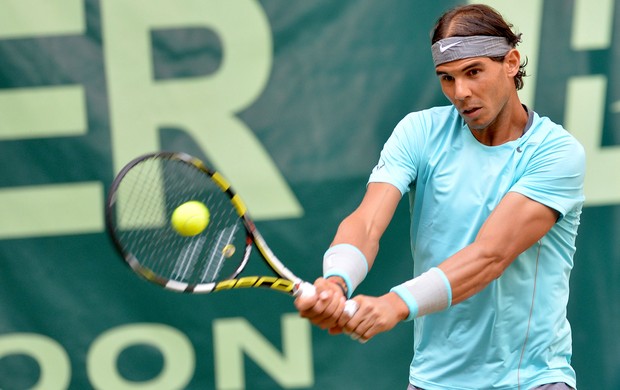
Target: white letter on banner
point(41, 112)
point(51, 357)
point(586, 105)
point(205, 106)
point(592, 29)
point(235, 337)
point(175, 347)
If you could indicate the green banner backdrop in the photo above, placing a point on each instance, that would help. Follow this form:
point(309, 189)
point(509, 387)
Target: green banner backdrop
point(292, 100)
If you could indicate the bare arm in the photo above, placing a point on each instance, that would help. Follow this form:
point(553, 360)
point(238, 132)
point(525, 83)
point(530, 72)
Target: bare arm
point(365, 226)
point(363, 229)
point(515, 225)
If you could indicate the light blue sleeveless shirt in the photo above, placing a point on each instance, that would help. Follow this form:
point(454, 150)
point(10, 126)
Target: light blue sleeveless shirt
point(514, 332)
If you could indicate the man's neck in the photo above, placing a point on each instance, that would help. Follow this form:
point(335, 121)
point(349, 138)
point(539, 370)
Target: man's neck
point(508, 126)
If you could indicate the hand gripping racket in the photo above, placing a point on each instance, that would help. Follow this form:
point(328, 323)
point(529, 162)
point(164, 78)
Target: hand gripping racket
point(138, 213)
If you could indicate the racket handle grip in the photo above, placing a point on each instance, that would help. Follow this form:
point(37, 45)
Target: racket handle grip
point(350, 307)
point(307, 290)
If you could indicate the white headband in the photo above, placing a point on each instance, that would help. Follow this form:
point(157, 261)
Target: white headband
point(457, 48)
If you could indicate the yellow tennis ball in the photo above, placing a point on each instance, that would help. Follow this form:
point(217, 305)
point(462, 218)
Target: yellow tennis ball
point(190, 218)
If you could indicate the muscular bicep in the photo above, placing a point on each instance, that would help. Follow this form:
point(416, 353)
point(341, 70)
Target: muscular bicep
point(365, 226)
point(516, 224)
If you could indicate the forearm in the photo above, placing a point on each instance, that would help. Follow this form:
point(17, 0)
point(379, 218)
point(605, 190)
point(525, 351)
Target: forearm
point(471, 269)
point(352, 231)
point(515, 225)
point(459, 277)
point(364, 227)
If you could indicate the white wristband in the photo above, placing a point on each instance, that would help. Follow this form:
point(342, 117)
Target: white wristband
point(348, 262)
point(428, 293)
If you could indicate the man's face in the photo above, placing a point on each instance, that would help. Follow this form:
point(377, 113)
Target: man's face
point(478, 87)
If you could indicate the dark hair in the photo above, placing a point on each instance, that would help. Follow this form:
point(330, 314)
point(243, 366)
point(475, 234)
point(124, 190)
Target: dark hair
point(478, 19)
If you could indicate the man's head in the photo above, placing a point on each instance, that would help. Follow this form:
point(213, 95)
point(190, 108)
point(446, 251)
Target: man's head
point(474, 30)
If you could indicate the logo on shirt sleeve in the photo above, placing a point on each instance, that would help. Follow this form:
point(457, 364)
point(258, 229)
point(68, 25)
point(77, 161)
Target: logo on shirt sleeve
point(379, 166)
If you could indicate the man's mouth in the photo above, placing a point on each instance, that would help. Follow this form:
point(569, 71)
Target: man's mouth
point(470, 111)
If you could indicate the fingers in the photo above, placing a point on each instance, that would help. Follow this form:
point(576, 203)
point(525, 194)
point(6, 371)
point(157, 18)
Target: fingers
point(360, 330)
point(304, 303)
point(374, 316)
point(358, 325)
point(363, 331)
point(325, 308)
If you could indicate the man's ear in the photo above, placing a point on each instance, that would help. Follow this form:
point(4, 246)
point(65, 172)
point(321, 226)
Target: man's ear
point(512, 60)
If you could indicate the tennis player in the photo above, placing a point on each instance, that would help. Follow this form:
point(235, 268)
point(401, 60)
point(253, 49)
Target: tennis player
point(496, 192)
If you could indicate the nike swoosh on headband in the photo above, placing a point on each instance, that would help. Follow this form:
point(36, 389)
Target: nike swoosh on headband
point(444, 48)
point(467, 47)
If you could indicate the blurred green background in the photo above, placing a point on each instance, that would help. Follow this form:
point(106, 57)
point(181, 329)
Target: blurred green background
point(292, 100)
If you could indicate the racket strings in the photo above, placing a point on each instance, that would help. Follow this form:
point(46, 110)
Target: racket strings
point(146, 198)
point(217, 254)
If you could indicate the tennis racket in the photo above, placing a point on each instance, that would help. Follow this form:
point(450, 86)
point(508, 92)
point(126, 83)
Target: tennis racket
point(138, 215)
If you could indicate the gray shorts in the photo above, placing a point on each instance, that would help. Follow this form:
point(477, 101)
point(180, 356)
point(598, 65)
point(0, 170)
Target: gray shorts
point(550, 386)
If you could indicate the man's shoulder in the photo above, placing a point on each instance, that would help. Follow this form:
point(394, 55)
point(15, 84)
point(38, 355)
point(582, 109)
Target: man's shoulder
point(440, 111)
point(553, 142)
point(434, 116)
point(553, 131)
